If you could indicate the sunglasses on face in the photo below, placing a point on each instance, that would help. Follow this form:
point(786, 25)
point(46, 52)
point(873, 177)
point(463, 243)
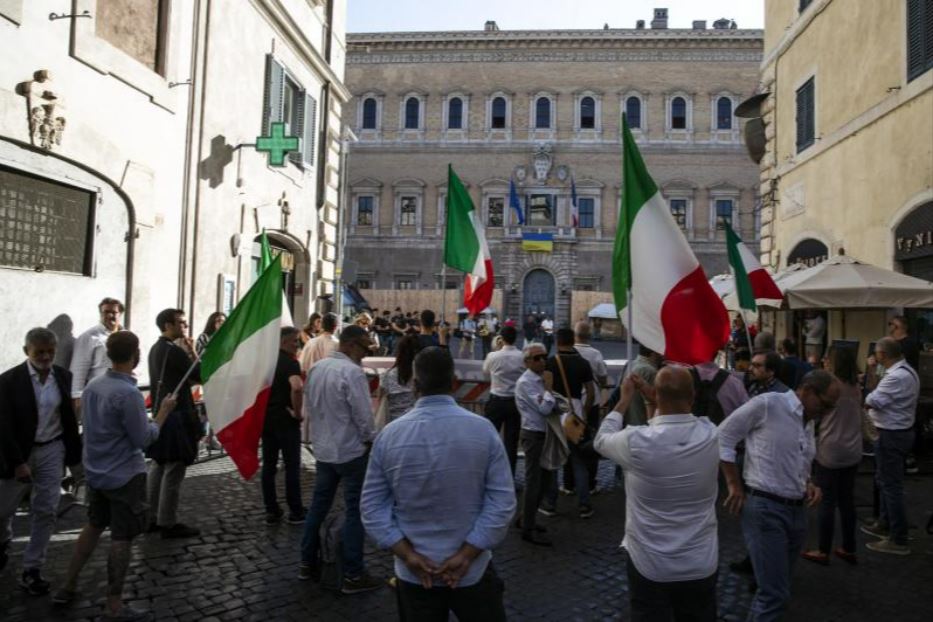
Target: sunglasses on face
point(538, 357)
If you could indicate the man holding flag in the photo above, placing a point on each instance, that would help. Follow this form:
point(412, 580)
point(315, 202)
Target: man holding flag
point(465, 246)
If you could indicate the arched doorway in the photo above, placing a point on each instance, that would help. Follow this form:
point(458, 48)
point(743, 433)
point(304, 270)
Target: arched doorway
point(538, 293)
point(809, 252)
point(293, 270)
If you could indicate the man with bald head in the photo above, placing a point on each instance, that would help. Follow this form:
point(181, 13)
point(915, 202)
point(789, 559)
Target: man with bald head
point(670, 488)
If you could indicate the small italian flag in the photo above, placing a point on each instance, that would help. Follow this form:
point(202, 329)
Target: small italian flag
point(753, 284)
point(465, 247)
point(238, 366)
point(674, 309)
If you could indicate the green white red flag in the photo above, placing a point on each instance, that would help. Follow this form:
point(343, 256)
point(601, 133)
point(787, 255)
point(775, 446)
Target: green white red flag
point(238, 366)
point(753, 284)
point(674, 309)
point(465, 246)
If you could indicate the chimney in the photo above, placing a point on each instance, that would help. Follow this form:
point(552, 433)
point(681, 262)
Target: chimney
point(699, 24)
point(660, 19)
point(722, 24)
point(491, 26)
point(640, 24)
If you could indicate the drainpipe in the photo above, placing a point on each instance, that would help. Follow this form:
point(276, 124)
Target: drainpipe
point(347, 138)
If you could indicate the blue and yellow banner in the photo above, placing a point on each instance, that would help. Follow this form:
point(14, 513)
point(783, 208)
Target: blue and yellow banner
point(538, 242)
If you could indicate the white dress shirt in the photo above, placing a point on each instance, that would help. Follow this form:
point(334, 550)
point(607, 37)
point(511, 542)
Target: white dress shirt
point(670, 468)
point(504, 367)
point(779, 448)
point(317, 349)
point(48, 400)
point(534, 401)
point(338, 405)
point(89, 359)
point(595, 358)
point(893, 403)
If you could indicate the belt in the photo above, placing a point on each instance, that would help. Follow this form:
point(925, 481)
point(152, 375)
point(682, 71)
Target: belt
point(773, 497)
point(48, 442)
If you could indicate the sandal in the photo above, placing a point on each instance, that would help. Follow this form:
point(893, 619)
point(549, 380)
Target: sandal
point(817, 557)
point(846, 556)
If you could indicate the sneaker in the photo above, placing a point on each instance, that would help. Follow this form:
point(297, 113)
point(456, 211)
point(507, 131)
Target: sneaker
point(910, 466)
point(309, 572)
point(876, 529)
point(595, 490)
point(128, 614)
point(179, 530)
point(564, 491)
point(64, 597)
point(888, 546)
point(546, 511)
point(295, 519)
point(31, 580)
point(273, 517)
point(360, 584)
point(586, 511)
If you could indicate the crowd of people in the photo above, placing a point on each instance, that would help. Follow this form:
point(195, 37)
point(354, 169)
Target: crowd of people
point(435, 484)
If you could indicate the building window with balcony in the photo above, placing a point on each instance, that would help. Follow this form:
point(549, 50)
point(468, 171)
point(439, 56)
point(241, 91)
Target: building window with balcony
point(919, 38)
point(412, 113)
point(543, 113)
point(455, 114)
point(540, 210)
point(678, 113)
point(495, 211)
point(587, 113)
point(724, 113)
point(724, 209)
point(586, 207)
point(408, 211)
point(404, 283)
point(633, 112)
point(499, 113)
point(363, 284)
point(806, 115)
point(364, 211)
point(369, 113)
point(679, 212)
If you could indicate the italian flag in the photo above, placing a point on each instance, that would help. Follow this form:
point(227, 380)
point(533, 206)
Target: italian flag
point(465, 246)
point(237, 369)
point(752, 282)
point(674, 309)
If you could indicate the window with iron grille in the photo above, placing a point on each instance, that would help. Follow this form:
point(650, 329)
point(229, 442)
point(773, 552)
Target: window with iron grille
point(633, 112)
point(412, 114)
point(369, 113)
point(408, 212)
point(46, 225)
point(723, 214)
point(588, 113)
point(724, 113)
point(498, 113)
point(806, 115)
point(678, 113)
point(543, 113)
point(455, 114)
point(586, 208)
point(494, 212)
point(679, 212)
point(364, 210)
point(919, 37)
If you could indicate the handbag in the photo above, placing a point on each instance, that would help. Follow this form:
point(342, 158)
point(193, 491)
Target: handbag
point(573, 424)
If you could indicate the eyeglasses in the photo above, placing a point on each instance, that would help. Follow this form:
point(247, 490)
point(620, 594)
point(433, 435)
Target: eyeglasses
point(538, 357)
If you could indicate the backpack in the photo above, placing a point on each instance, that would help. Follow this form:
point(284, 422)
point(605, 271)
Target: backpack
point(706, 400)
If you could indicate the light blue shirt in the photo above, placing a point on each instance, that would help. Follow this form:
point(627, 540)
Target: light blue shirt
point(534, 401)
point(893, 404)
point(338, 405)
point(116, 430)
point(89, 359)
point(439, 476)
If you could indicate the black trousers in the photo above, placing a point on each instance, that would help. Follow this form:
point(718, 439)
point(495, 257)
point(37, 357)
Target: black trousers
point(838, 486)
point(537, 480)
point(687, 601)
point(285, 438)
point(481, 602)
point(505, 416)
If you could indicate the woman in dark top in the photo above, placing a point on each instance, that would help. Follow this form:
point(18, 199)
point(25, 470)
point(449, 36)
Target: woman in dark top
point(214, 321)
point(312, 329)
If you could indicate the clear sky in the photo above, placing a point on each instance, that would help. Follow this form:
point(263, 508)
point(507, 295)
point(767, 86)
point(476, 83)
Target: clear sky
point(400, 15)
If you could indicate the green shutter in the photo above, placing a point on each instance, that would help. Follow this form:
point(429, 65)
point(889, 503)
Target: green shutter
point(310, 127)
point(273, 94)
point(298, 156)
point(919, 37)
point(806, 115)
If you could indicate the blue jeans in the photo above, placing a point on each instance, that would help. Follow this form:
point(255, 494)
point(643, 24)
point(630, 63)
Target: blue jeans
point(577, 466)
point(774, 535)
point(325, 489)
point(891, 450)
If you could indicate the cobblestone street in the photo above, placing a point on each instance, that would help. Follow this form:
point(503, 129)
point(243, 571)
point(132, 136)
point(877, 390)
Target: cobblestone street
point(240, 569)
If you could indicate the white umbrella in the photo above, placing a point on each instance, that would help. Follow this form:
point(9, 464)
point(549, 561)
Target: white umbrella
point(722, 284)
point(486, 311)
point(604, 311)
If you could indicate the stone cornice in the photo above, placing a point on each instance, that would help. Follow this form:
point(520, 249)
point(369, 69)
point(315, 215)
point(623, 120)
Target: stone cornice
point(511, 38)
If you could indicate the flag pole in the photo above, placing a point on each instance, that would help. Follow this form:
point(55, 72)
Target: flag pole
point(443, 293)
point(748, 334)
point(197, 359)
point(628, 336)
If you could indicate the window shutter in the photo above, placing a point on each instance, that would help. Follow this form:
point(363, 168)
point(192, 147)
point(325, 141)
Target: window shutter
point(310, 128)
point(919, 37)
point(273, 94)
point(806, 115)
point(299, 130)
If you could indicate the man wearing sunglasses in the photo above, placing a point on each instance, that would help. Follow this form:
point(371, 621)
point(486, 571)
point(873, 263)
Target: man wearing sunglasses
point(778, 432)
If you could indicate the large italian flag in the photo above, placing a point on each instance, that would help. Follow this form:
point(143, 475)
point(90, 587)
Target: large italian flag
point(237, 369)
point(465, 246)
point(674, 309)
point(753, 284)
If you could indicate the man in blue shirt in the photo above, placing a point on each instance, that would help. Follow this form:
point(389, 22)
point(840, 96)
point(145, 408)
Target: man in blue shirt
point(439, 494)
point(116, 430)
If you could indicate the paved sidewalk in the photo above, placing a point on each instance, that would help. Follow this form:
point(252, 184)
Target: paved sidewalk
point(240, 569)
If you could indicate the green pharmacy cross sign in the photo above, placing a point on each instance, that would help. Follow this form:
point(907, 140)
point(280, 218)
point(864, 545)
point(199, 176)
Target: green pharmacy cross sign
point(278, 144)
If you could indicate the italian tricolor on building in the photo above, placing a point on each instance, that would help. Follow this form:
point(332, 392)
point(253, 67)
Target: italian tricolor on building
point(753, 284)
point(238, 366)
point(674, 309)
point(465, 246)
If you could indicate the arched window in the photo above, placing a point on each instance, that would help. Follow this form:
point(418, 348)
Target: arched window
point(633, 112)
point(724, 113)
point(679, 113)
point(543, 113)
point(587, 113)
point(412, 113)
point(498, 113)
point(455, 114)
point(369, 114)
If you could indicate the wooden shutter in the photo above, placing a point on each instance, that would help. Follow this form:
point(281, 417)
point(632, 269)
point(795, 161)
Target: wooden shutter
point(919, 37)
point(310, 128)
point(273, 94)
point(806, 115)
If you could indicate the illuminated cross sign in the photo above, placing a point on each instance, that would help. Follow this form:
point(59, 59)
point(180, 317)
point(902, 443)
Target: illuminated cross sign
point(278, 144)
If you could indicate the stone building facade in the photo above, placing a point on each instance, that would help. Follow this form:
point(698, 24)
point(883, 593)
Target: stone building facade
point(542, 109)
point(127, 166)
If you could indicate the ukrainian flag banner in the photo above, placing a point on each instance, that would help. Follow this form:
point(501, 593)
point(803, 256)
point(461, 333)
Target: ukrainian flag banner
point(538, 242)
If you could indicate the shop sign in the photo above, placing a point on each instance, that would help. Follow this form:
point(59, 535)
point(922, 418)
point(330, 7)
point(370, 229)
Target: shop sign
point(809, 252)
point(913, 238)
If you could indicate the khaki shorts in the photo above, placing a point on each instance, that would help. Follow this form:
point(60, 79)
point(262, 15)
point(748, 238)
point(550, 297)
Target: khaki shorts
point(123, 509)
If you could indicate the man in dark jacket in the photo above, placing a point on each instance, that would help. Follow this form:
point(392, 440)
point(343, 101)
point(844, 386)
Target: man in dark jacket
point(38, 437)
point(169, 360)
